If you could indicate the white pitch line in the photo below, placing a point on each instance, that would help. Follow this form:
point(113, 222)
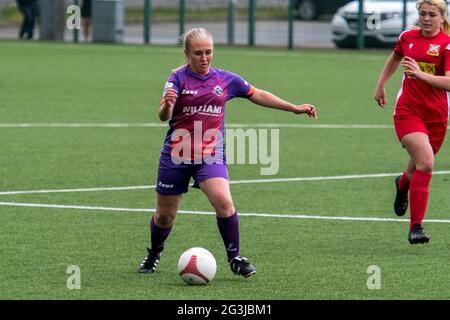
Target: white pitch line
point(245, 214)
point(355, 176)
point(308, 126)
point(59, 206)
point(275, 180)
point(176, 51)
point(76, 190)
point(82, 125)
point(165, 125)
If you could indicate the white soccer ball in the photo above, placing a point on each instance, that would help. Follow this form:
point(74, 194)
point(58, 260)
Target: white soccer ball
point(197, 266)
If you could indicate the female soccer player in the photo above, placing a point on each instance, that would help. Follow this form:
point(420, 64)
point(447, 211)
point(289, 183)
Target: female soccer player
point(194, 100)
point(421, 111)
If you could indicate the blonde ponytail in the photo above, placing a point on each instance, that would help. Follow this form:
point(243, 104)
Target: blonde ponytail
point(446, 26)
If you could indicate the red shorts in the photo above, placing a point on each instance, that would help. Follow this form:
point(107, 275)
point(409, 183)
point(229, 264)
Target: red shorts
point(434, 130)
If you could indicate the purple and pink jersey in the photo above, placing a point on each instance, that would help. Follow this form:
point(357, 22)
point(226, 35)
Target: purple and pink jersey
point(199, 110)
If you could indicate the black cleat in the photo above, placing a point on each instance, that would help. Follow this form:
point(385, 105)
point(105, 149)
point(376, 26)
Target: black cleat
point(401, 200)
point(416, 235)
point(150, 262)
point(240, 266)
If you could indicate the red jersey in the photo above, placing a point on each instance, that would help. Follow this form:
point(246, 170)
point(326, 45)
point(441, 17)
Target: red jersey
point(433, 56)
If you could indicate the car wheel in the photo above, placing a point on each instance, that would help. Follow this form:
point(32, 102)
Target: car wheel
point(307, 9)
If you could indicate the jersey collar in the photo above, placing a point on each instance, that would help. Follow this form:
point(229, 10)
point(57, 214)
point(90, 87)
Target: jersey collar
point(198, 75)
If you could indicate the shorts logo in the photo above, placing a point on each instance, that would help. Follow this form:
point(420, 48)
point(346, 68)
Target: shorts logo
point(218, 90)
point(164, 185)
point(433, 50)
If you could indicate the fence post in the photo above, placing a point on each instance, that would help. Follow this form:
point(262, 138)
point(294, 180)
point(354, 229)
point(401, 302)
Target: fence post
point(360, 42)
point(291, 24)
point(231, 16)
point(404, 15)
point(147, 20)
point(75, 30)
point(182, 20)
point(251, 23)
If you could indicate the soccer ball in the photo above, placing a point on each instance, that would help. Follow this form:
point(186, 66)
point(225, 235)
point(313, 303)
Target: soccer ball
point(197, 266)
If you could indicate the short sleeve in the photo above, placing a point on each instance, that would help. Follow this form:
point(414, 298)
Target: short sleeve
point(398, 50)
point(447, 58)
point(172, 82)
point(239, 87)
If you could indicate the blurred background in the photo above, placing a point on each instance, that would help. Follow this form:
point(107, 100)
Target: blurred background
point(277, 23)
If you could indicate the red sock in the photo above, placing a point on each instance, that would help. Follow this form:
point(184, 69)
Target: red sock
point(418, 195)
point(404, 182)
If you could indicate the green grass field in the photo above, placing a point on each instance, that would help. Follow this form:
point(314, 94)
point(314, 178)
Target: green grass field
point(297, 257)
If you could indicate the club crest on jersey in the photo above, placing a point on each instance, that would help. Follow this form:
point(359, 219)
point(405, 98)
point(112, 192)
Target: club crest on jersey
point(433, 50)
point(218, 90)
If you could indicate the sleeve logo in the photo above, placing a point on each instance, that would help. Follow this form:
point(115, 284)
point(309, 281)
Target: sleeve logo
point(167, 86)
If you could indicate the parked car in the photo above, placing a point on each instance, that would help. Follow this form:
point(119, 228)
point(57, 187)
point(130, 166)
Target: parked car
point(383, 22)
point(312, 9)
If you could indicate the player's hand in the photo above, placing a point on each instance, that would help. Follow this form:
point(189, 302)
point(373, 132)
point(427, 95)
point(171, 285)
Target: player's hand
point(380, 96)
point(412, 69)
point(170, 97)
point(309, 109)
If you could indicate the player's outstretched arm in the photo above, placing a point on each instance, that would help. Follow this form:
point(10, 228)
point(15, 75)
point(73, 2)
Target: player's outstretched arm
point(267, 99)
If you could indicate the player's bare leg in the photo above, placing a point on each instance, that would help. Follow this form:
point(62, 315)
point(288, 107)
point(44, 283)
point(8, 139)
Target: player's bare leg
point(402, 183)
point(218, 192)
point(160, 227)
point(418, 146)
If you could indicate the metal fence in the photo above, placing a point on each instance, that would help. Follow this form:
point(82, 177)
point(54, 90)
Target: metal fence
point(275, 23)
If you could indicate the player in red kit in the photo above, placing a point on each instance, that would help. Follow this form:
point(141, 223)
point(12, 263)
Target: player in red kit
point(421, 110)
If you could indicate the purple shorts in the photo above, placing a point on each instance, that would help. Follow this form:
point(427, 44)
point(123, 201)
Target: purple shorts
point(174, 179)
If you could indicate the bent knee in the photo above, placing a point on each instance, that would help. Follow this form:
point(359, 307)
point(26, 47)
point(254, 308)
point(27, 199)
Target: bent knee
point(425, 165)
point(164, 218)
point(225, 208)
